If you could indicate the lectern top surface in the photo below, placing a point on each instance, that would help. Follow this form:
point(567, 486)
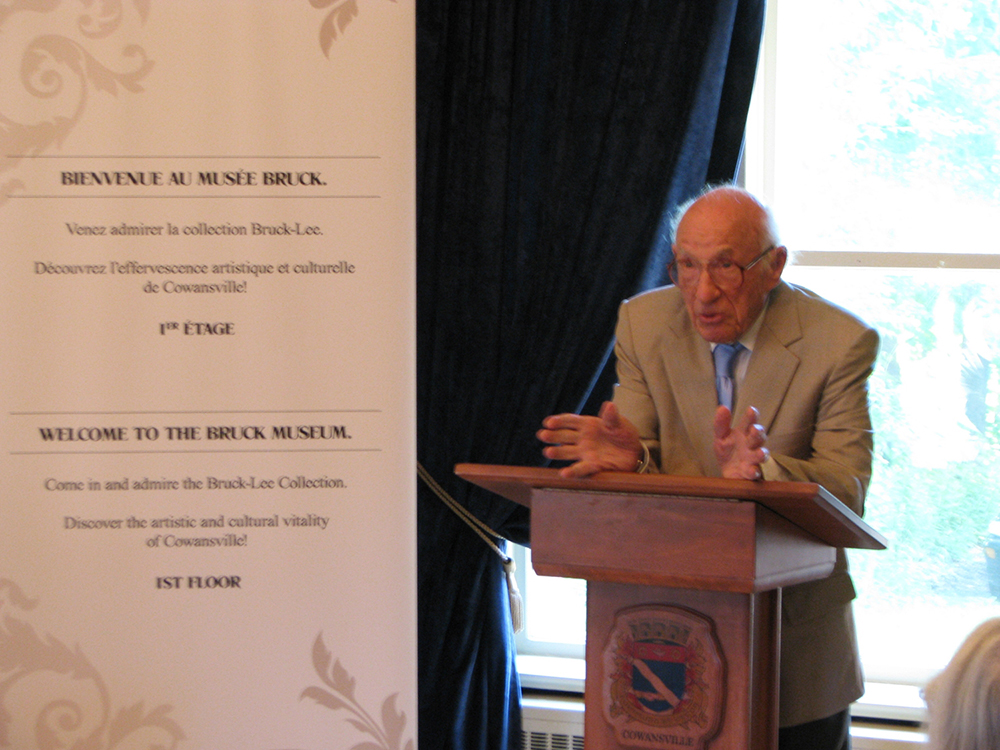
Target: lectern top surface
point(807, 505)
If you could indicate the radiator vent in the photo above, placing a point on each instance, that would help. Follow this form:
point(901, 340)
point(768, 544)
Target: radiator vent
point(555, 722)
point(552, 723)
point(547, 741)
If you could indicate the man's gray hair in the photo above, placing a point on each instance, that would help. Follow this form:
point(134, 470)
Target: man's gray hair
point(768, 227)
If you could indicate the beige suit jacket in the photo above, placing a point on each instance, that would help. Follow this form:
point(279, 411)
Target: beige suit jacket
point(808, 378)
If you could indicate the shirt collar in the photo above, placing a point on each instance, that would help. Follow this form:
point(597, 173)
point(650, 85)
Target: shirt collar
point(749, 337)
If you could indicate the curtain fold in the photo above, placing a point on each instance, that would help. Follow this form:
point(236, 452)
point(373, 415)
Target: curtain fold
point(552, 140)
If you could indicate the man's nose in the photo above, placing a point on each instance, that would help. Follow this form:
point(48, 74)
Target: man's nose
point(706, 289)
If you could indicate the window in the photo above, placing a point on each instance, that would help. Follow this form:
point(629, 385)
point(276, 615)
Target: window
point(875, 135)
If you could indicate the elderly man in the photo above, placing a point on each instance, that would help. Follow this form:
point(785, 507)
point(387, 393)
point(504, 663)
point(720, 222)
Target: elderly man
point(795, 369)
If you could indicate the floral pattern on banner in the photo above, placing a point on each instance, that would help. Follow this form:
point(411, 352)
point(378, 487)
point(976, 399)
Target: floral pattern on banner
point(60, 68)
point(342, 12)
point(385, 736)
point(52, 697)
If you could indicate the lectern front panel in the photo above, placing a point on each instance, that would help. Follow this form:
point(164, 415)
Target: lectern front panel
point(681, 542)
point(670, 668)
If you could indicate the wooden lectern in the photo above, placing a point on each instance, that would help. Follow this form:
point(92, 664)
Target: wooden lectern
point(684, 593)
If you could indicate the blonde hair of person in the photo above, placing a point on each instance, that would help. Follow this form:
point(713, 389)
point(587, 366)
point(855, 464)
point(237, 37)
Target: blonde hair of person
point(963, 701)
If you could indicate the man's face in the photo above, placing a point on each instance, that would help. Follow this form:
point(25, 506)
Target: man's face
point(719, 230)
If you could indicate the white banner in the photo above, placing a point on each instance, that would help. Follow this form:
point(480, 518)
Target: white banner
point(207, 513)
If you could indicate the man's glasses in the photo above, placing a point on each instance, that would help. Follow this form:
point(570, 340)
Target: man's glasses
point(727, 275)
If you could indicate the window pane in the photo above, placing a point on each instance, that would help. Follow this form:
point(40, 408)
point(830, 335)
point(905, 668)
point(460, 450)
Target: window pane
point(934, 397)
point(555, 621)
point(887, 125)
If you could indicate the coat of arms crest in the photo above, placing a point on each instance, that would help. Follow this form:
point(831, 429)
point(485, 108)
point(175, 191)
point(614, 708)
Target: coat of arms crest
point(664, 678)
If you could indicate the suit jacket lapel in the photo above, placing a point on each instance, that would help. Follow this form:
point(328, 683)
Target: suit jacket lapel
point(772, 366)
point(689, 368)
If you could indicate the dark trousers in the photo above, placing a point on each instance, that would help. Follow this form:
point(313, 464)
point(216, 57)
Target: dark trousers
point(831, 733)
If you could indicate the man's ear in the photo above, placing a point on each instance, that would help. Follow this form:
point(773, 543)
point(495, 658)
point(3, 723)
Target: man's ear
point(778, 259)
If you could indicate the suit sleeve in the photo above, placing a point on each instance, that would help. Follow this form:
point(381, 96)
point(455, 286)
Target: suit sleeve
point(840, 452)
point(631, 395)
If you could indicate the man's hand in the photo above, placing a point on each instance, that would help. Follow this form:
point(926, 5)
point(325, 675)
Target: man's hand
point(607, 442)
point(739, 450)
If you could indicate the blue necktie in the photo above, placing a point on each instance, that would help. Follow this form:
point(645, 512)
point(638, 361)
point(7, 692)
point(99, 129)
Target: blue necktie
point(725, 363)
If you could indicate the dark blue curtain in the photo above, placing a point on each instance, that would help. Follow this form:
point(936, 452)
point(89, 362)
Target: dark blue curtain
point(552, 138)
